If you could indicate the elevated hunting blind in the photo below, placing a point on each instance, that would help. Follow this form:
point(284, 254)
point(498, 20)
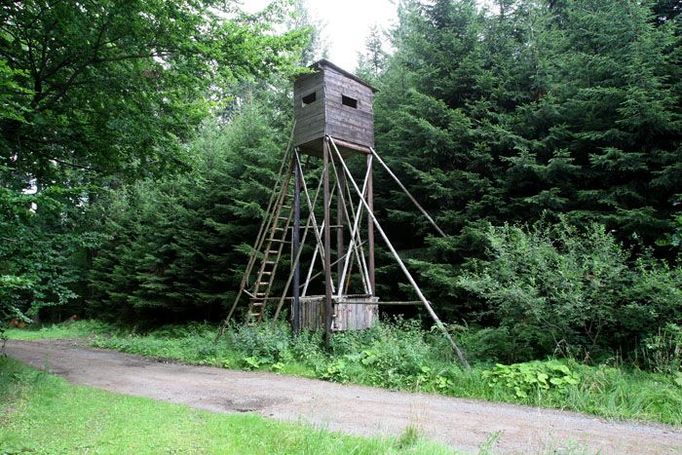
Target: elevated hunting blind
point(333, 102)
point(333, 122)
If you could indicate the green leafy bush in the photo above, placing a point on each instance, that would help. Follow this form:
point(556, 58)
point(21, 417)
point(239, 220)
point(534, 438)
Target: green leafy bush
point(532, 377)
point(558, 289)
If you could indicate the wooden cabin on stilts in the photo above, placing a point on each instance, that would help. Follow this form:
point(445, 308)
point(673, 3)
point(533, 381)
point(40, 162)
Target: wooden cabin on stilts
point(330, 284)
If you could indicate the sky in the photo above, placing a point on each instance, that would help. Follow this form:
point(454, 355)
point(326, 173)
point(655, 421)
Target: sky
point(345, 24)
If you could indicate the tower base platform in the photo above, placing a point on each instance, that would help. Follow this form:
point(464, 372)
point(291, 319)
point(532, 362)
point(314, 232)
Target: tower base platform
point(351, 312)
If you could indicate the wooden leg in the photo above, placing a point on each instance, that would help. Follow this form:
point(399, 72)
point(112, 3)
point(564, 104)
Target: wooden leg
point(370, 225)
point(328, 304)
point(340, 220)
point(295, 243)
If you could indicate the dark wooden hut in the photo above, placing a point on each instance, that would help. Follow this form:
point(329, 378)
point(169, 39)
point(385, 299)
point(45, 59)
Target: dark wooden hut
point(333, 102)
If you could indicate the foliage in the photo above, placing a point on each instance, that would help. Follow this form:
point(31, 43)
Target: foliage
point(115, 86)
point(662, 351)
point(532, 377)
point(96, 95)
point(39, 243)
point(173, 247)
point(532, 125)
point(45, 414)
point(526, 111)
point(560, 289)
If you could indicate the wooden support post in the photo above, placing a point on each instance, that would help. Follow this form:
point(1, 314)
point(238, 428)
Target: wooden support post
point(370, 226)
point(409, 195)
point(296, 244)
point(328, 304)
point(340, 247)
point(352, 247)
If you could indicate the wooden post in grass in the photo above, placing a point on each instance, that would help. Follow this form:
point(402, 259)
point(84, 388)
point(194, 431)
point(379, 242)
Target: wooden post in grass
point(295, 246)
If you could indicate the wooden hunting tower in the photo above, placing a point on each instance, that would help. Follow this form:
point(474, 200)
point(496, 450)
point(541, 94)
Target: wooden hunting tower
point(334, 122)
point(333, 102)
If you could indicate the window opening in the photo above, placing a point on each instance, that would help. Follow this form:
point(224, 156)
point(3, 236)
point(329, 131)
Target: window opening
point(309, 98)
point(348, 101)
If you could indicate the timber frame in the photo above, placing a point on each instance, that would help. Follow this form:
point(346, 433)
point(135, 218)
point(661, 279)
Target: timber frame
point(325, 311)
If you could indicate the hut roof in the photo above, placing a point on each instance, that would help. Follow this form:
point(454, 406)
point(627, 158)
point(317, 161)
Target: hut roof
point(324, 63)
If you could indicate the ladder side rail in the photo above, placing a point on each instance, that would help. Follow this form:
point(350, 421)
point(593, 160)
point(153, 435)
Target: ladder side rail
point(259, 240)
point(297, 258)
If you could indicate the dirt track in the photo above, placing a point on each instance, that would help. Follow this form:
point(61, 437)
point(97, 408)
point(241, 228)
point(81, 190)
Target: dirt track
point(462, 424)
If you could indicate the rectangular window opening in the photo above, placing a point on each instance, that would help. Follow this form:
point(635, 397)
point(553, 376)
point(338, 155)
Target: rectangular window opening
point(348, 101)
point(310, 98)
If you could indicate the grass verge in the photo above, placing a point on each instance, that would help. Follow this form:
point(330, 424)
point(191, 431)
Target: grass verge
point(41, 413)
point(398, 356)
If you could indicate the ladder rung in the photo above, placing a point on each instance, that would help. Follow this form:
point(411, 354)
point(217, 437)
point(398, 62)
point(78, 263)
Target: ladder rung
point(263, 283)
point(257, 303)
point(272, 251)
point(255, 315)
point(266, 273)
point(279, 241)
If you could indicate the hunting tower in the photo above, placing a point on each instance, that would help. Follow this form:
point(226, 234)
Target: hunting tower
point(333, 108)
point(334, 123)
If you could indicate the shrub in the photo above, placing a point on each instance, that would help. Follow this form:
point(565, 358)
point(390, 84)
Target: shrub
point(557, 289)
point(532, 378)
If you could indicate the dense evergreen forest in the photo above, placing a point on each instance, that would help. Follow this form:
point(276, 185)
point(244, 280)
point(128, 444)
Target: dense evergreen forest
point(139, 141)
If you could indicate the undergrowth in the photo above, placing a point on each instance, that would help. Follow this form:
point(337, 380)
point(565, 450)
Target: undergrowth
point(402, 356)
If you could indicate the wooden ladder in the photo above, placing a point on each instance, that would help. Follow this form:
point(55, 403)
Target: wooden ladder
point(273, 247)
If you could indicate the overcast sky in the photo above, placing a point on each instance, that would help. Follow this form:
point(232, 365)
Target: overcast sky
point(345, 24)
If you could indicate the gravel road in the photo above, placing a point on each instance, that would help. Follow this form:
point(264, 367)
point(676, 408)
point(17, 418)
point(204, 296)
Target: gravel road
point(462, 424)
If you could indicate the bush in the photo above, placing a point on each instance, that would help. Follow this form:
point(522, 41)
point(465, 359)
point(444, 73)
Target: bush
point(557, 289)
point(532, 377)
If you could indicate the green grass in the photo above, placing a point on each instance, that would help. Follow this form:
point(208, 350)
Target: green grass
point(397, 356)
point(64, 331)
point(41, 413)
